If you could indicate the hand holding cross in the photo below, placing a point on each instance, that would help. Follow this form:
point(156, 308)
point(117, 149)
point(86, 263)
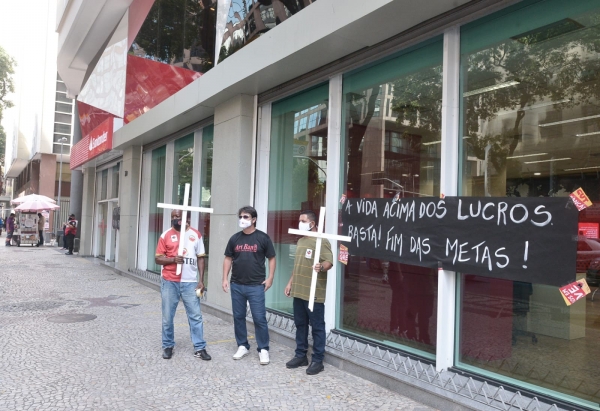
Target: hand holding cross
point(320, 235)
point(184, 209)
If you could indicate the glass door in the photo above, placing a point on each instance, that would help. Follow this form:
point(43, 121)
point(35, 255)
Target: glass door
point(102, 227)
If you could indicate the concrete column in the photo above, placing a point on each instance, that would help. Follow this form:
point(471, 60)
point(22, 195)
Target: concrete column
point(76, 175)
point(86, 219)
point(129, 202)
point(231, 183)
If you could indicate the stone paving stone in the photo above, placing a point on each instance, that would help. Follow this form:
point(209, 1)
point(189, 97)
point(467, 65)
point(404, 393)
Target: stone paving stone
point(114, 361)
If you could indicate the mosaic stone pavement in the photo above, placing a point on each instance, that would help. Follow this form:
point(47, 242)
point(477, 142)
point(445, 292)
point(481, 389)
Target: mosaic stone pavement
point(113, 361)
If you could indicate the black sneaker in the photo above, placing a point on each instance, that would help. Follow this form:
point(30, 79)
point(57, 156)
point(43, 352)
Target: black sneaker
point(297, 362)
point(203, 355)
point(68, 253)
point(315, 368)
point(168, 353)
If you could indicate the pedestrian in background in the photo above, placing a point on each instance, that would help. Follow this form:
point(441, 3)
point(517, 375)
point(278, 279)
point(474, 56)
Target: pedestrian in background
point(246, 252)
point(185, 285)
point(70, 233)
point(10, 228)
point(41, 224)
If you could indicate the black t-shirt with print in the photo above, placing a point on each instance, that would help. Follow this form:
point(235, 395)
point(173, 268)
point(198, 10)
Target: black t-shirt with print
point(248, 252)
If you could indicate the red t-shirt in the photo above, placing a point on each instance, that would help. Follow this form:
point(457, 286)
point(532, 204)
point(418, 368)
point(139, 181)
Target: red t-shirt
point(168, 246)
point(71, 227)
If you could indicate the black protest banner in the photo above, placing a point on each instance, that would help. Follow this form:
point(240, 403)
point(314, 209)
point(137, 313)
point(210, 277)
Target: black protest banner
point(522, 239)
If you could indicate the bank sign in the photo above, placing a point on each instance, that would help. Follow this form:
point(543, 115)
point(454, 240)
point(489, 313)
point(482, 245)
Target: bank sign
point(98, 141)
point(522, 239)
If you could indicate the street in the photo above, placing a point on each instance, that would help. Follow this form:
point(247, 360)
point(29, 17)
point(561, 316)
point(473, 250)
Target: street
point(76, 336)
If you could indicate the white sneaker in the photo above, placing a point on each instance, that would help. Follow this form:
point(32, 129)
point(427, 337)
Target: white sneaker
point(241, 353)
point(263, 355)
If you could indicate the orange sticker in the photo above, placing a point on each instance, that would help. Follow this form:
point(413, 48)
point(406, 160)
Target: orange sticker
point(575, 291)
point(343, 255)
point(580, 199)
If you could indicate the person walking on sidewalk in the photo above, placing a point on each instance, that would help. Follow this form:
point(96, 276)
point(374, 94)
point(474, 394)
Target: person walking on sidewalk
point(41, 224)
point(10, 228)
point(245, 253)
point(184, 286)
point(299, 288)
point(70, 233)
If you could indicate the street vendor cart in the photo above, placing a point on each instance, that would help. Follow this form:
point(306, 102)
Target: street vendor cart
point(26, 221)
point(26, 229)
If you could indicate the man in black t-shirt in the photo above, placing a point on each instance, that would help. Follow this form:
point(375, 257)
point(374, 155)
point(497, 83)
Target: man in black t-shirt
point(246, 252)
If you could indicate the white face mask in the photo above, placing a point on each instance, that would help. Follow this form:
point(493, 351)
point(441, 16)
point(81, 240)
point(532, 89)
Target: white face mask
point(245, 223)
point(304, 226)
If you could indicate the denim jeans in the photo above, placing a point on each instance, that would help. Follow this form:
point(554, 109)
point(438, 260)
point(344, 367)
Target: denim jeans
point(255, 296)
point(170, 292)
point(302, 317)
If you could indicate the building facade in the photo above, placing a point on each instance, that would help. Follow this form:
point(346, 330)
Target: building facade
point(314, 102)
point(39, 128)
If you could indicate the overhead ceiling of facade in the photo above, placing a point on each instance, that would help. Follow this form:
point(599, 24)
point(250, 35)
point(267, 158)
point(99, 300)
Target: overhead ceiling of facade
point(84, 31)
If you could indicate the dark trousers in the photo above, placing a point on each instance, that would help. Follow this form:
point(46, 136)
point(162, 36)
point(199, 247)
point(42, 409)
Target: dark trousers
point(70, 240)
point(9, 236)
point(316, 318)
point(41, 240)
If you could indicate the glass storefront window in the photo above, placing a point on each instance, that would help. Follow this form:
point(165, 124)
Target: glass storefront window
point(205, 187)
point(103, 184)
point(531, 128)
point(183, 169)
point(114, 188)
point(297, 172)
point(391, 143)
point(157, 194)
point(102, 226)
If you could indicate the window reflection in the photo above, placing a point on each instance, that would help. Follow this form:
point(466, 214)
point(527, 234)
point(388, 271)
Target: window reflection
point(180, 33)
point(531, 128)
point(297, 178)
point(392, 139)
point(249, 19)
point(205, 188)
point(157, 195)
point(184, 168)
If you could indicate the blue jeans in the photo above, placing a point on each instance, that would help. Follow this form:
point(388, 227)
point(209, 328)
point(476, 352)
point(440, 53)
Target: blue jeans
point(255, 296)
point(302, 317)
point(170, 292)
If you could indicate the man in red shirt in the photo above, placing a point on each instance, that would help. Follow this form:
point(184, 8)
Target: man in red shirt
point(184, 285)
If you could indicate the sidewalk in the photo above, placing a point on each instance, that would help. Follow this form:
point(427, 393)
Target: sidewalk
point(113, 361)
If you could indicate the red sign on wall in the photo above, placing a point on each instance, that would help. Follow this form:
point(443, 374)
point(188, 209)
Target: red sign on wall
point(98, 141)
point(588, 230)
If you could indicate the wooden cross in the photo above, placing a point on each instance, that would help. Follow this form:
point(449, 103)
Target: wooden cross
point(184, 209)
point(320, 235)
